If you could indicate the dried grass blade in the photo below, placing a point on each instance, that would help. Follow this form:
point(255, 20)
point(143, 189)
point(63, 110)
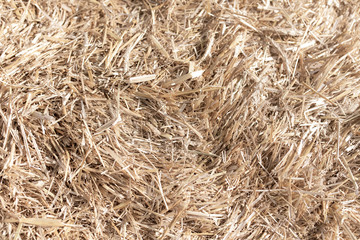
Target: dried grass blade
point(41, 222)
point(143, 78)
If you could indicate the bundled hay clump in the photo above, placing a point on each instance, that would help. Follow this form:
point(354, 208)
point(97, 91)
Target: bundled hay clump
point(179, 119)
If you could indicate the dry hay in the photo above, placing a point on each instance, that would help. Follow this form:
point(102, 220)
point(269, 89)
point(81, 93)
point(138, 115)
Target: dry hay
point(179, 119)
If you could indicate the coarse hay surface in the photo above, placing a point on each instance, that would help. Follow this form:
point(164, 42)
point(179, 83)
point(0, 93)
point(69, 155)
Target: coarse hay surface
point(179, 119)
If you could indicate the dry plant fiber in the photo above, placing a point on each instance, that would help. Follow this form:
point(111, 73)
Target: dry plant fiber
point(179, 119)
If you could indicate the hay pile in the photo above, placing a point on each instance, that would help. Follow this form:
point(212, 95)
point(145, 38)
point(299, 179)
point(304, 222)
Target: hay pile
point(179, 119)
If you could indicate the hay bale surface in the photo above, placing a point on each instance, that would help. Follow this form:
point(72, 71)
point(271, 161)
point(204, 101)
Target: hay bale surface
point(179, 119)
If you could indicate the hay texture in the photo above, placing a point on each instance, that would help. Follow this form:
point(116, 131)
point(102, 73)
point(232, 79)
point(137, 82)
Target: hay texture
point(179, 119)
